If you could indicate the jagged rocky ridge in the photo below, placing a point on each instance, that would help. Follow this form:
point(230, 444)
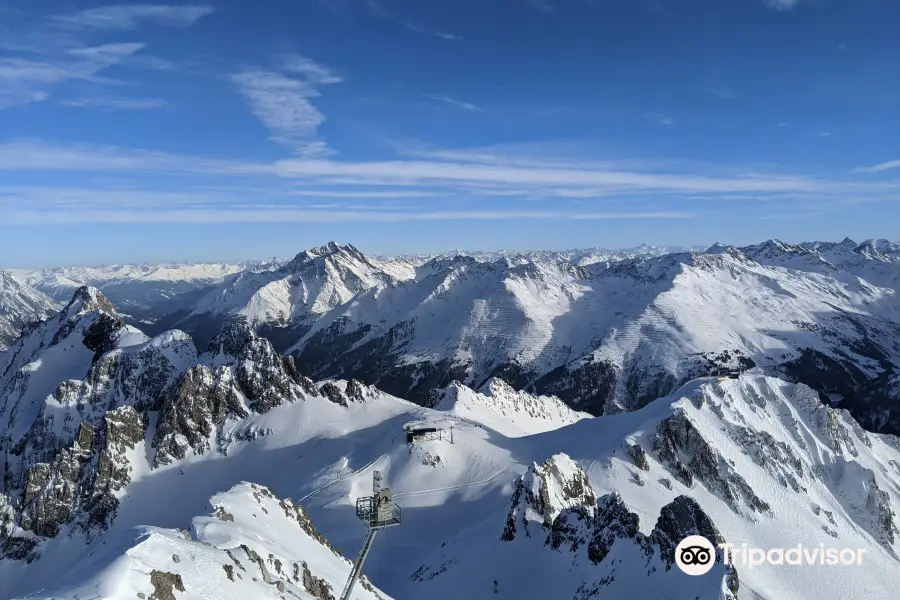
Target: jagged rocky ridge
point(66, 467)
point(553, 505)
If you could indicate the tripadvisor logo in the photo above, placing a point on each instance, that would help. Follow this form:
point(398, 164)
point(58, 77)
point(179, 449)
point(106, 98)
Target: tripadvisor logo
point(696, 555)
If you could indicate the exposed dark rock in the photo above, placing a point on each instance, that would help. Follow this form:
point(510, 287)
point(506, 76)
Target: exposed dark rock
point(637, 454)
point(676, 437)
point(164, 585)
point(316, 586)
point(102, 335)
point(677, 520)
point(120, 431)
point(333, 393)
point(204, 400)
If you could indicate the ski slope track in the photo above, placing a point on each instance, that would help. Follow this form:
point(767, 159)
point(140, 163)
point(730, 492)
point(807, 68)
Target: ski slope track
point(166, 471)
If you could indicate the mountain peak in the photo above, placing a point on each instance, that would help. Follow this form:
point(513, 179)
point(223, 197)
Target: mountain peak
point(232, 338)
point(87, 298)
point(716, 248)
point(331, 249)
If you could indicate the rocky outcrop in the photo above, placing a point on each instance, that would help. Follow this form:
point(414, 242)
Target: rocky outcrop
point(552, 502)
point(164, 585)
point(354, 391)
point(316, 586)
point(78, 486)
point(264, 377)
point(122, 429)
point(688, 456)
point(677, 520)
point(546, 490)
point(203, 402)
point(240, 373)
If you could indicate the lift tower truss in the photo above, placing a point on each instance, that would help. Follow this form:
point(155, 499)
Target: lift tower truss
point(377, 511)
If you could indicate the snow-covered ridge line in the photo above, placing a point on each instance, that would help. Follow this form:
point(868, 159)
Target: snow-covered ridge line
point(505, 410)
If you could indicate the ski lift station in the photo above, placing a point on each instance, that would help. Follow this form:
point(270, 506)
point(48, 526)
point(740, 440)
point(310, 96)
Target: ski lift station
point(423, 431)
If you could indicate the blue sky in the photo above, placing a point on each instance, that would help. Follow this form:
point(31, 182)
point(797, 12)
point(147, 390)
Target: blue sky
point(231, 130)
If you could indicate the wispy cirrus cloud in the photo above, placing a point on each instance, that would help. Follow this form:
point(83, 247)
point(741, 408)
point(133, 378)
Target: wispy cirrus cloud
point(131, 16)
point(453, 102)
point(39, 57)
point(109, 103)
point(885, 166)
point(713, 85)
point(660, 118)
point(544, 6)
point(379, 9)
point(282, 102)
point(24, 80)
point(446, 185)
point(782, 5)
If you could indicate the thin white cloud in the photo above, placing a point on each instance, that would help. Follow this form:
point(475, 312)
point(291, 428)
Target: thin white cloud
point(437, 184)
point(366, 194)
point(380, 10)
point(824, 134)
point(885, 166)
point(452, 101)
point(38, 156)
point(782, 5)
point(784, 124)
point(660, 118)
point(712, 84)
point(130, 16)
point(27, 80)
point(283, 103)
point(544, 6)
point(116, 103)
point(420, 172)
point(310, 69)
point(272, 214)
point(40, 57)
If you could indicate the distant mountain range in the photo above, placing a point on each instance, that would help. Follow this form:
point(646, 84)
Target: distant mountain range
point(605, 335)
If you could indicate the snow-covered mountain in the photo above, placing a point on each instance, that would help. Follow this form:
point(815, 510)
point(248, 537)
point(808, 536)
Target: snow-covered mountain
point(20, 304)
point(144, 292)
point(284, 302)
point(103, 474)
point(604, 337)
point(578, 256)
point(610, 338)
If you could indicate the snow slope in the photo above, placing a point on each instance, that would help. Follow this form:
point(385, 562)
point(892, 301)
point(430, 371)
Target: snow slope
point(596, 506)
point(20, 305)
point(505, 410)
point(250, 545)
